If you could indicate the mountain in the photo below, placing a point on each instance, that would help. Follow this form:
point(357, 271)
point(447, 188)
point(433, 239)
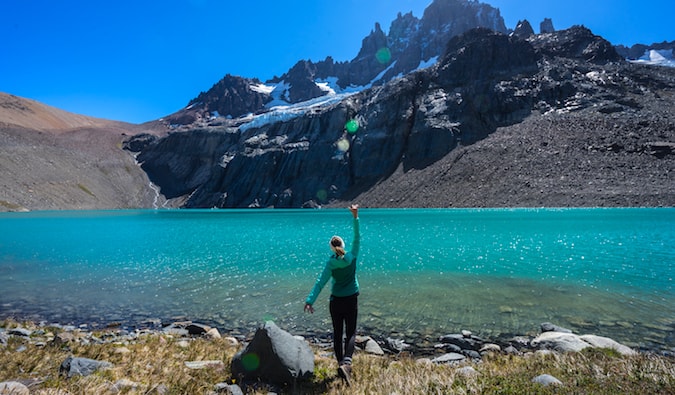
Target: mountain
point(410, 44)
point(53, 160)
point(554, 119)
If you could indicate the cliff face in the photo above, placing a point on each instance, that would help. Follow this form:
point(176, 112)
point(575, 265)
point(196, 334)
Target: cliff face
point(314, 154)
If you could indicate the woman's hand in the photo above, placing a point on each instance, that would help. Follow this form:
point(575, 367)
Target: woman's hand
point(354, 208)
point(309, 309)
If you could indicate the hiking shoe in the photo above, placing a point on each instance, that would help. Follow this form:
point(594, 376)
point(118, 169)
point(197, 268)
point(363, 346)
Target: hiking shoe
point(345, 371)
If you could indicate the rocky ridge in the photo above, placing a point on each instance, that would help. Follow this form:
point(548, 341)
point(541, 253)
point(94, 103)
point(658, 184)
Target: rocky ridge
point(409, 43)
point(587, 110)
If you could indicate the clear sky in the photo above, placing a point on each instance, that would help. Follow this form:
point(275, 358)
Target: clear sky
point(139, 60)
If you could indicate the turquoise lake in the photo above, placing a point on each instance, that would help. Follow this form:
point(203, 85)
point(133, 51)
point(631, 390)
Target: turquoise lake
point(423, 273)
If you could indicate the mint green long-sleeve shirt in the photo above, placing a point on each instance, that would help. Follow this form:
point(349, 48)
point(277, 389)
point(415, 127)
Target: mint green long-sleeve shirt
point(342, 270)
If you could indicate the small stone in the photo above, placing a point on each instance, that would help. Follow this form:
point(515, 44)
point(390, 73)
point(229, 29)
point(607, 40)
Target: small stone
point(548, 327)
point(122, 350)
point(20, 332)
point(467, 334)
point(546, 380)
point(213, 334)
point(490, 347)
point(124, 385)
point(204, 364)
point(467, 371)
point(373, 348)
point(449, 357)
point(13, 388)
point(510, 350)
point(231, 389)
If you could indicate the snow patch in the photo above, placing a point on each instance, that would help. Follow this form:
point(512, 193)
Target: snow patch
point(287, 112)
point(657, 58)
point(262, 88)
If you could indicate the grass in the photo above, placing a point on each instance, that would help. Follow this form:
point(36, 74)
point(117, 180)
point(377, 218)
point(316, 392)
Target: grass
point(86, 190)
point(9, 205)
point(155, 363)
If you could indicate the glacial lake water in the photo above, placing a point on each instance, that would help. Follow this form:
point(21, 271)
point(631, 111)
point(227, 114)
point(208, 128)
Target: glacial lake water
point(423, 272)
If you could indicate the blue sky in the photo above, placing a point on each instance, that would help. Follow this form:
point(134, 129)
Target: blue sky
point(137, 61)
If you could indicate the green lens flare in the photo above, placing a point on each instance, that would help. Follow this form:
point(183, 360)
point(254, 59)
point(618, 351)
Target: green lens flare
point(250, 361)
point(352, 126)
point(322, 195)
point(383, 55)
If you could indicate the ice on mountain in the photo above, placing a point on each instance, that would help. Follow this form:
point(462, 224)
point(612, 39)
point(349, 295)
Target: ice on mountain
point(657, 57)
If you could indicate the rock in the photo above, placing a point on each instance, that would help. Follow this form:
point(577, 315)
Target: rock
point(467, 371)
point(81, 366)
point(138, 143)
point(121, 350)
point(605, 342)
point(63, 338)
point(490, 347)
point(197, 329)
point(548, 327)
point(20, 332)
point(546, 26)
point(449, 358)
point(231, 389)
point(523, 29)
point(396, 345)
point(205, 364)
point(560, 341)
point(372, 347)
point(471, 354)
point(546, 380)
point(464, 343)
point(213, 334)
point(124, 385)
point(274, 356)
point(13, 388)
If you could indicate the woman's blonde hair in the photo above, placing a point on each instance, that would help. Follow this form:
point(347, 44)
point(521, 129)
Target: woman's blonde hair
point(337, 245)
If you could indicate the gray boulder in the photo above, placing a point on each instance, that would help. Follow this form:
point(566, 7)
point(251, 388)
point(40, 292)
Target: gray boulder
point(81, 366)
point(548, 327)
point(451, 357)
point(275, 357)
point(560, 341)
point(605, 342)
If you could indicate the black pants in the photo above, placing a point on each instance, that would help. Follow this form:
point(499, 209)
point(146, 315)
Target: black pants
point(343, 312)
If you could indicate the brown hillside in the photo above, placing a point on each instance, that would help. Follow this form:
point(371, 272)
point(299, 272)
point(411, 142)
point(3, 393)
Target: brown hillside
point(54, 160)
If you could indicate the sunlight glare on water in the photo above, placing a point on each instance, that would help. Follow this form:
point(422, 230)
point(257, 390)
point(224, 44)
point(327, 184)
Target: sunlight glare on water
point(422, 272)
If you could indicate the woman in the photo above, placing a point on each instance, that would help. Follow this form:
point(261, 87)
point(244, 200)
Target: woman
point(341, 266)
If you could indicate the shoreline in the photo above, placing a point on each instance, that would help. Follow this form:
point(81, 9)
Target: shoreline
point(391, 344)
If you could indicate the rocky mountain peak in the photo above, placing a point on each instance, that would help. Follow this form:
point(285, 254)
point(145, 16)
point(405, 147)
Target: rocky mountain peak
point(546, 26)
point(523, 29)
point(577, 42)
point(410, 43)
